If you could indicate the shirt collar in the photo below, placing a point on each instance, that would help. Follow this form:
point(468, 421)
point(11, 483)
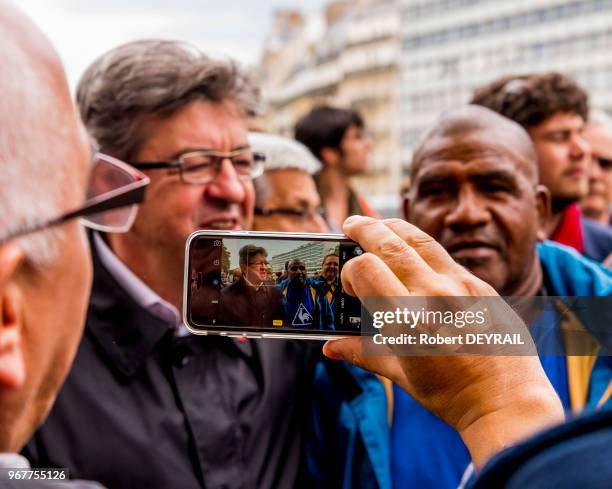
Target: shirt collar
point(13, 461)
point(256, 287)
point(142, 294)
point(126, 330)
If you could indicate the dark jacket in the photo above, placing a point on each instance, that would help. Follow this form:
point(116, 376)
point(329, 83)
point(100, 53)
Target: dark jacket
point(597, 239)
point(244, 305)
point(575, 454)
point(348, 443)
point(142, 408)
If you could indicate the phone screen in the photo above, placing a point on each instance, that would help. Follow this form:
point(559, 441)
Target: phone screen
point(270, 285)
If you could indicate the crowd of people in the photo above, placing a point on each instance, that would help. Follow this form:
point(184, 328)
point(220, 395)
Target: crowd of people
point(294, 300)
point(508, 196)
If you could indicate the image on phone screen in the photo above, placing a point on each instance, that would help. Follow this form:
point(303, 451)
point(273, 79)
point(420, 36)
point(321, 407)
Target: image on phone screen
point(270, 284)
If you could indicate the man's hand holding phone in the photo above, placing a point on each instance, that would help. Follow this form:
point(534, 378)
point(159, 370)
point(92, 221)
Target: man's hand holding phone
point(493, 401)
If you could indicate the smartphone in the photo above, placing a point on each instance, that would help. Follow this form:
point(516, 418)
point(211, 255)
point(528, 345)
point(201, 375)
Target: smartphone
point(269, 285)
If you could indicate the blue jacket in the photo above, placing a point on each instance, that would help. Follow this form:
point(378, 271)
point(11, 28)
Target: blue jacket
point(420, 441)
point(571, 274)
point(574, 454)
point(320, 310)
point(597, 239)
point(348, 445)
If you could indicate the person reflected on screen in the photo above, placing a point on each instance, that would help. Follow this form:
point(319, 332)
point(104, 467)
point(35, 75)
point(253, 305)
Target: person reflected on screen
point(252, 300)
point(303, 305)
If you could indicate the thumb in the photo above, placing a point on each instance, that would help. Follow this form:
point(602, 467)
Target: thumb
point(350, 349)
point(344, 349)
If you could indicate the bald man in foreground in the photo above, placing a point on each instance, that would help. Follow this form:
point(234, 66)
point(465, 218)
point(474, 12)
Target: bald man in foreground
point(475, 191)
point(45, 268)
point(43, 167)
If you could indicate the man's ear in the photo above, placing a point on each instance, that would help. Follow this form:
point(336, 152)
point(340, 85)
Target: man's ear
point(544, 209)
point(12, 368)
point(330, 156)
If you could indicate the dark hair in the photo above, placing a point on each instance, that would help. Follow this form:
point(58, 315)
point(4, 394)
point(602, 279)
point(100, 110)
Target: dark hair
point(327, 256)
point(248, 252)
point(531, 99)
point(140, 80)
point(324, 127)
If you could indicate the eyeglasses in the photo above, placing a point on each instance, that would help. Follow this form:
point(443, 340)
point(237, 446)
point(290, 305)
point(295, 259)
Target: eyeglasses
point(203, 166)
point(114, 191)
point(605, 164)
point(291, 212)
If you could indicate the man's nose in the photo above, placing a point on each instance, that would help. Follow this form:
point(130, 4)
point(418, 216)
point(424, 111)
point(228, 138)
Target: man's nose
point(226, 185)
point(595, 170)
point(579, 147)
point(469, 212)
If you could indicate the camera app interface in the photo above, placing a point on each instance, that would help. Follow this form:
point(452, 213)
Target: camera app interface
point(271, 284)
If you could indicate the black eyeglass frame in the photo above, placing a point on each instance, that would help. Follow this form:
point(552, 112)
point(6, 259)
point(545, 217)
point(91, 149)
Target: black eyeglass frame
point(179, 166)
point(604, 163)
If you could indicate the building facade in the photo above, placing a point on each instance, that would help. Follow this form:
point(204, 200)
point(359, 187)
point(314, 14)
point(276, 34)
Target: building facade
point(449, 47)
point(352, 61)
point(312, 254)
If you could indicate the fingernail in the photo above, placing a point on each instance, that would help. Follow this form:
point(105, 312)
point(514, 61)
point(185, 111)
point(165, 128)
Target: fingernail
point(330, 352)
point(351, 219)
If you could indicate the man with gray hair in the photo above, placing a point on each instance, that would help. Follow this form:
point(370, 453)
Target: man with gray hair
point(286, 197)
point(252, 300)
point(174, 410)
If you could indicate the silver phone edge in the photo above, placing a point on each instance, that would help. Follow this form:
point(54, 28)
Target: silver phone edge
point(262, 335)
point(250, 334)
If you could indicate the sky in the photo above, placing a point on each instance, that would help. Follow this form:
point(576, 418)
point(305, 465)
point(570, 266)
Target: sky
point(83, 30)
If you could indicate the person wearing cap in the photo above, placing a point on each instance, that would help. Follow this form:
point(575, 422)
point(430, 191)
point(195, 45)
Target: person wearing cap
point(286, 197)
